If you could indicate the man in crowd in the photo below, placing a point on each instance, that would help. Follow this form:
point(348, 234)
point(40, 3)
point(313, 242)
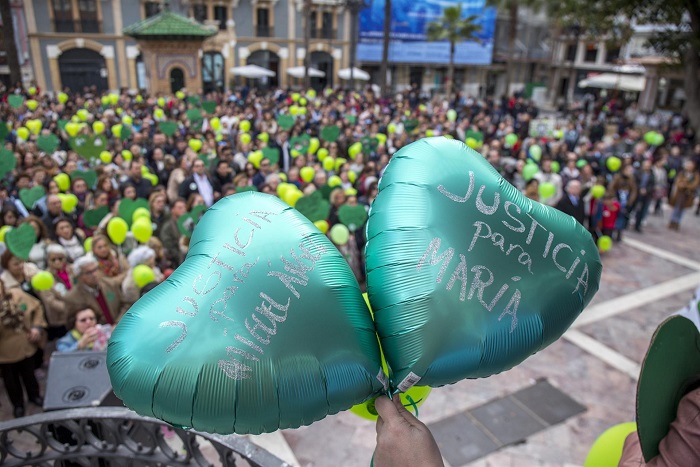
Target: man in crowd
point(95, 292)
point(571, 203)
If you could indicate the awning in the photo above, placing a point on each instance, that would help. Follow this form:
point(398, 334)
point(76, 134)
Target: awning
point(357, 74)
point(298, 72)
point(614, 81)
point(252, 71)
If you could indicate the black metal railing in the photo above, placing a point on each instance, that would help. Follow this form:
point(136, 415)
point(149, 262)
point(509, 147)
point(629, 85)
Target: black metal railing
point(263, 30)
point(116, 436)
point(84, 25)
point(324, 33)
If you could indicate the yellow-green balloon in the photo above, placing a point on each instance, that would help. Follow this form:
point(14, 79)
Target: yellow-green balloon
point(307, 174)
point(604, 243)
point(23, 133)
point(42, 280)
point(329, 163)
point(322, 226)
point(339, 234)
point(143, 275)
point(598, 191)
point(87, 245)
point(139, 213)
point(68, 202)
point(411, 399)
point(62, 97)
point(127, 155)
point(607, 449)
point(354, 149)
point(334, 181)
point(283, 188)
point(244, 126)
point(195, 144)
point(98, 127)
point(142, 229)
point(116, 230)
point(32, 104)
point(314, 144)
point(245, 138)
point(322, 154)
point(3, 230)
point(292, 196)
point(63, 181)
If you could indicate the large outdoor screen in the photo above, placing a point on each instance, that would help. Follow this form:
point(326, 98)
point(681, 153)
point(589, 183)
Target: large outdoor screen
point(409, 24)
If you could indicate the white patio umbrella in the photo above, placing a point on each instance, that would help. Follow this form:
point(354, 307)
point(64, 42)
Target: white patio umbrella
point(252, 71)
point(298, 72)
point(614, 81)
point(357, 74)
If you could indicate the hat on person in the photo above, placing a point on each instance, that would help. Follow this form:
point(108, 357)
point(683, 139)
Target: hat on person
point(670, 370)
point(140, 255)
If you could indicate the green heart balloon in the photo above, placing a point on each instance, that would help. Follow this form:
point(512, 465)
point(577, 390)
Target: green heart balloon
point(8, 161)
point(168, 128)
point(272, 155)
point(188, 221)
point(93, 217)
point(263, 327)
point(466, 276)
point(353, 217)
point(15, 101)
point(20, 240)
point(29, 196)
point(300, 143)
point(48, 143)
point(90, 177)
point(209, 106)
point(330, 133)
point(128, 206)
point(313, 207)
point(89, 146)
point(285, 121)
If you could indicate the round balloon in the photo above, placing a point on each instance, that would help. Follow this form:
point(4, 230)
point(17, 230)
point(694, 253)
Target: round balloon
point(613, 163)
point(42, 280)
point(143, 275)
point(339, 234)
point(467, 277)
point(263, 327)
point(117, 229)
point(607, 449)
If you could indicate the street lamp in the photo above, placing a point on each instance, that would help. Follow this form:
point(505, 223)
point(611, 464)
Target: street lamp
point(354, 7)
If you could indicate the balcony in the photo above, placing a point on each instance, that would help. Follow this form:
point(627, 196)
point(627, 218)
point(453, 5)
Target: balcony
point(89, 26)
point(117, 436)
point(263, 30)
point(324, 33)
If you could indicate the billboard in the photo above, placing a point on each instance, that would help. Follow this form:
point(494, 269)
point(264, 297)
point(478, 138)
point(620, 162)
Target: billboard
point(409, 24)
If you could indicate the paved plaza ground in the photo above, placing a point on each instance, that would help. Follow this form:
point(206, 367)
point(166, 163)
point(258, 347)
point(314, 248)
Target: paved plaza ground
point(645, 278)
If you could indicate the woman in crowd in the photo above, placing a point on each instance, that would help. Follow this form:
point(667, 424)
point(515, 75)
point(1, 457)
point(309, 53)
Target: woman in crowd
point(111, 263)
point(683, 193)
point(17, 273)
point(83, 332)
point(53, 298)
point(69, 238)
point(140, 255)
point(21, 334)
point(37, 254)
point(159, 212)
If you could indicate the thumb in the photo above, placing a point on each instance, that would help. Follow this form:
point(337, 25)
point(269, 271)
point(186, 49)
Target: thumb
point(388, 410)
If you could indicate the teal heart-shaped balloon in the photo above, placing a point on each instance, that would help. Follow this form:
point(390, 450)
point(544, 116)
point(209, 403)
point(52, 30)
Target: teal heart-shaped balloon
point(353, 217)
point(188, 221)
point(285, 121)
point(330, 133)
point(8, 161)
point(168, 128)
point(15, 101)
point(300, 143)
point(271, 154)
point(20, 240)
point(128, 206)
point(262, 327)
point(90, 177)
point(93, 217)
point(29, 196)
point(48, 143)
point(314, 207)
point(89, 146)
point(466, 276)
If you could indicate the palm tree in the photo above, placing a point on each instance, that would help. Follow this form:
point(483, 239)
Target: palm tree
point(8, 31)
point(453, 28)
point(385, 48)
point(513, 8)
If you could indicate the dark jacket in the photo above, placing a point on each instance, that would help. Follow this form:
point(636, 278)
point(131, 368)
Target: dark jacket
point(567, 207)
point(189, 186)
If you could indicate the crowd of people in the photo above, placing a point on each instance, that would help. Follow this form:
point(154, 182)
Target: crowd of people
point(83, 171)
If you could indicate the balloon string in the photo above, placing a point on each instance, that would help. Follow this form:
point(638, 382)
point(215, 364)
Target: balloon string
point(413, 404)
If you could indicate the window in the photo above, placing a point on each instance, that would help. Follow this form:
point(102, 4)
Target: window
point(415, 75)
point(571, 52)
point(63, 16)
point(591, 53)
point(213, 71)
point(88, 16)
point(263, 28)
point(199, 12)
point(312, 22)
point(151, 9)
point(327, 25)
point(221, 15)
point(612, 55)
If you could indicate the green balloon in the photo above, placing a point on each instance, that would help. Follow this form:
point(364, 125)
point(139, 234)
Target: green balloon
point(511, 139)
point(604, 243)
point(459, 287)
point(547, 190)
point(529, 171)
point(339, 234)
point(263, 327)
point(536, 152)
point(581, 163)
point(556, 167)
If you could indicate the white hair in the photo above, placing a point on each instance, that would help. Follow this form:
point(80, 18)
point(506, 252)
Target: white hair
point(140, 255)
point(55, 249)
point(81, 262)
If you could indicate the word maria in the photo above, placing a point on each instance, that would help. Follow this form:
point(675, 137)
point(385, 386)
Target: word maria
point(561, 255)
point(482, 279)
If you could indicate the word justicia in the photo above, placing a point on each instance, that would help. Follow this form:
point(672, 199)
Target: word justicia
point(562, 256)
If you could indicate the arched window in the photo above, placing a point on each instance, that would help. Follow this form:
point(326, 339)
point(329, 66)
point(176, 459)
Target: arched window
point(269, 60)
point(177, 79)
point(213, 72)
point(81, 69)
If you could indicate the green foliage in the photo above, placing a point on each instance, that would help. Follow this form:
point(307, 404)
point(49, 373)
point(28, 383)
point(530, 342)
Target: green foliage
point(452, 27)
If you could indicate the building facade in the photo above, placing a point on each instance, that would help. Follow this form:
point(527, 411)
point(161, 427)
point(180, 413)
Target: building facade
point(20, 26)
point(78, 43)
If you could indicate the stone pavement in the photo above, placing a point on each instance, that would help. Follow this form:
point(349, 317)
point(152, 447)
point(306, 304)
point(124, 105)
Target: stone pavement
point(645, 278)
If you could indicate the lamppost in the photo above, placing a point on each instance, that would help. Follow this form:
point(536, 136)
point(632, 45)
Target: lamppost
point(354, 7)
